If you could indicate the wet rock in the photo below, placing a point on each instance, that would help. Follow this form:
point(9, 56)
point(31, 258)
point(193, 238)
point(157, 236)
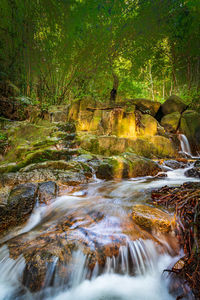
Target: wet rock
point(194, 172)
point(105, 171)
point(22, 198)
point(47, 191)
point(174, 164)
point(173, 104)
point(19, 206)
point(126, 166)
point(72, 178)
point(190, 126)
point(197, 164)
point(171, 121)
point(152, 219)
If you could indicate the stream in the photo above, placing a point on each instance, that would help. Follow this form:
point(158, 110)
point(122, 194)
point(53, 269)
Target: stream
point(79, 230)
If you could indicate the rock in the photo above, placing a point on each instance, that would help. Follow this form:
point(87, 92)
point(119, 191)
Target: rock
point(190, 126)
point(126, 166)
point(194, 172)
point(57, 113)
point(74, 111)
point(171, 121)
point(173, 104)
point(22, 198)
point(47, 191)
point(108, 145)
point(145, 105)
point(72, 178)
point(37, 157)
point(105, 171)
point(118, 122)
point(163, 147)
point(13, 109)
point(174, 164)
point(4, 194)
point(152, 219)
point(148, 146)
point(84, 120)
point(148, 126)
point(39, 175)
point(58, 165)
point(197, 164)
point(19, 206)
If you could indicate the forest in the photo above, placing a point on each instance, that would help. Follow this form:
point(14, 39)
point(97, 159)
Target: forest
point(53, 51)
point(99, 149)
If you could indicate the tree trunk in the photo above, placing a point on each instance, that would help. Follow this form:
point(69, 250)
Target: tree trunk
point(151, 82)
point(113, 93)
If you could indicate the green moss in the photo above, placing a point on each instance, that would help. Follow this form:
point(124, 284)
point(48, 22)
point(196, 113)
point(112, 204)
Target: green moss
point(3, 136)
point(38, 157)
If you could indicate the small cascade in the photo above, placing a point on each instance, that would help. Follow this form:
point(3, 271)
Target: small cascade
point(185, 146)
point(137, 261)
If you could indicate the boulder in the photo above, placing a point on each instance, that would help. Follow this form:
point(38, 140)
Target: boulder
point(39, 156)
point(152, 219)
point(174, 164)
point(190, 126)
point(126, 166)
point(171, 121)
point(197, 164)
point(194, 172)
point(146, 106)
point(47, 191)
point(19, 206)
point(118, 122)
point(173, 104)
point(148, 146)
point(148, 126)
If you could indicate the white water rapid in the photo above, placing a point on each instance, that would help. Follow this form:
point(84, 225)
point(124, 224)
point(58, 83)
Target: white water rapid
point(134, 273)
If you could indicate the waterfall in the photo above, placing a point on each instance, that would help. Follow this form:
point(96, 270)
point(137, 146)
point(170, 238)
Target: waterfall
point(185, 146)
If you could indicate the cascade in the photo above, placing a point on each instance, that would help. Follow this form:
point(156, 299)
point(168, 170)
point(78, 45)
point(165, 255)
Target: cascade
point(185, 146)
point(86, 247)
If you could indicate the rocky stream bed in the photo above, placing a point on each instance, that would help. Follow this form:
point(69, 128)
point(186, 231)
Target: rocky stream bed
point(100, 203)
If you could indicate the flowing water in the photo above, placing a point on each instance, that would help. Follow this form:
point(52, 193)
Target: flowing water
point(185, 146)
point(84, 246)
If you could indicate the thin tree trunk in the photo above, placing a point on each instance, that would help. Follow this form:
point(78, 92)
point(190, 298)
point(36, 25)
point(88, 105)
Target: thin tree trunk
point(163, 89)
point(189, 72)
point(151, 81)
point(113, 93)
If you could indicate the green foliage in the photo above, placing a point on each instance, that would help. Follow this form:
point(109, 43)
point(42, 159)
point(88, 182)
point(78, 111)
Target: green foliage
point(3, 136)
point(56, 51)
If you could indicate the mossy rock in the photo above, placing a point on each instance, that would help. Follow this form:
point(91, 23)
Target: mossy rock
point(149, 146)
point(190, 126)
point(163, 147)
point(146, 106)
point(38, 157)
point(173, 104)
point(171, 121)
point(149, 126)
point(126, 165)
point(58, 165)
